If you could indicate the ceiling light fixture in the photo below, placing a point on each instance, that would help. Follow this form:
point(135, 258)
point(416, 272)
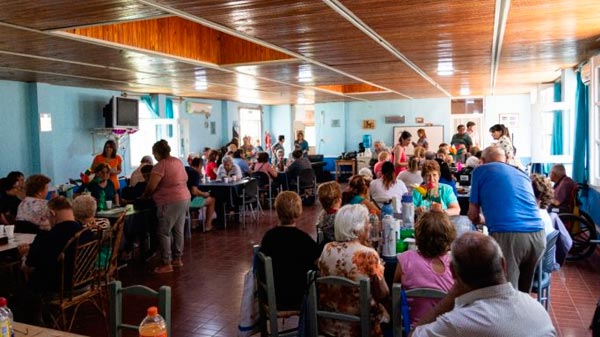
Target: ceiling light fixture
point(464, 91)
point(500, 16)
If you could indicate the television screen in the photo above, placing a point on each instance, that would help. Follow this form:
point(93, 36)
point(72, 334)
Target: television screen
point(125, 112)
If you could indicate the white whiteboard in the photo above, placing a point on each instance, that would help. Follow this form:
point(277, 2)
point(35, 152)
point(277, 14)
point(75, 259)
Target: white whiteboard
point(435, 136)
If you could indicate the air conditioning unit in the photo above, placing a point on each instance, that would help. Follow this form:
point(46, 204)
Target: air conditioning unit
point(198, 108)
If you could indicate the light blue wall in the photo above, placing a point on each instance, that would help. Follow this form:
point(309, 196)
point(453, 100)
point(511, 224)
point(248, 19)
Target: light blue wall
point(281, 124)
point(200, 136)
point(335, 140)
point(15, 128)
point(330, 140)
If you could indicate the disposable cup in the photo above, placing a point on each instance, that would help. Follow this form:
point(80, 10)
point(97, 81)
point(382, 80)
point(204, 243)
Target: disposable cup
point(1, 230)
point(10, 231)
point(226, 180)
point(108, 204)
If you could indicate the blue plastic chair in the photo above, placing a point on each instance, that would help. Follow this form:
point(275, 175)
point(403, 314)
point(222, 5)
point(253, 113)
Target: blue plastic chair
point(543, 271)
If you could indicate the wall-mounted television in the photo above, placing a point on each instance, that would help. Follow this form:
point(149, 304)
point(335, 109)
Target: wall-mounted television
point(121, 112)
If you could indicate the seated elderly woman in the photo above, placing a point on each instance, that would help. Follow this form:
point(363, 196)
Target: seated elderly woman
point(429, 266)
point(357, 192)
point(32, 214)
point(84, 210)
point(292, 250)
point(433, 195)
point(542, 189)
point(103, 183)
point(330, 197)
point(349, 257)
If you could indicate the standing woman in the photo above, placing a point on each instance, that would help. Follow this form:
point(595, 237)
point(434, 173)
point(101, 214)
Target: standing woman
point(110, 157)
point(422, 141)
point(502, 137)
point(301, 143)
point(168, 188)
point(400, 160)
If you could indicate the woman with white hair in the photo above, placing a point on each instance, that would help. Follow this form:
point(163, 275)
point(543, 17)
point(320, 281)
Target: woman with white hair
point(350, 257)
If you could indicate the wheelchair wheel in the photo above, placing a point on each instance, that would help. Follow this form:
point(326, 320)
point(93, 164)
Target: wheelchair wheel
point(582, 230)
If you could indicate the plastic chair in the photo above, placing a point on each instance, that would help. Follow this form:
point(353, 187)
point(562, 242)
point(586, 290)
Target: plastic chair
point(307, 181)
point(116, 305)
point(543, 271)
point(314, 310)
point(264, 185)
point(78, 263)
point(267, 303)
point(397, 318)
point(248, 198)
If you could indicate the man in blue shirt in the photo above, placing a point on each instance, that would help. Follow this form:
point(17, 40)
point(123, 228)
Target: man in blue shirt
point(505, 196)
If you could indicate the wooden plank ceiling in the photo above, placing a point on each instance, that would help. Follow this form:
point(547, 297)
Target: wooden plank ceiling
point(296, 52)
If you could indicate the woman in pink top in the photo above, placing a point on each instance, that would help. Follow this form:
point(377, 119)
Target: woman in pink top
point(429, 266)
point(399, 151)
point(168, 188)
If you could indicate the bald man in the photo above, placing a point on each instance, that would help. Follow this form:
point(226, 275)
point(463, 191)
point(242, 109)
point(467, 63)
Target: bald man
point(482, 302)
point(504, 195)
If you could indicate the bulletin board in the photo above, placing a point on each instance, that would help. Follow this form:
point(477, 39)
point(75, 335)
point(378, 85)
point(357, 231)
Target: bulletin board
point(435, 136)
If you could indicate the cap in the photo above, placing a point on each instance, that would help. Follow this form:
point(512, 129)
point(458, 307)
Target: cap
point(3, 302)
point(152, 311)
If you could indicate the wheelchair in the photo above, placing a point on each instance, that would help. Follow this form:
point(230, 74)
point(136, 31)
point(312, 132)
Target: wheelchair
point(581, 227)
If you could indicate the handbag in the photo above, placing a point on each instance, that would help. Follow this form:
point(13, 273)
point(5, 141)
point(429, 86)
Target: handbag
point(249, 307)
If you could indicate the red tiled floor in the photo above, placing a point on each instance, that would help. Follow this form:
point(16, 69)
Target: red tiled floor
point(206, 292)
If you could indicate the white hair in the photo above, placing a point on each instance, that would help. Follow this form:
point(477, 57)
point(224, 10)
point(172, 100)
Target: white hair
point(227, 159)
point(350, 221)
point(365, 171)
point(84, 207)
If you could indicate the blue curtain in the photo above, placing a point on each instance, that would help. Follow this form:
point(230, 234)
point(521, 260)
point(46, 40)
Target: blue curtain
point(556, 147)
point(581, 148)
point(169, 108)
point(151, 104)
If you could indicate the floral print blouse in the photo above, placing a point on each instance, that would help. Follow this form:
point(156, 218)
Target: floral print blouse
point(352, 260)
point(507, 146)
point(35, 211)
point(325, 223)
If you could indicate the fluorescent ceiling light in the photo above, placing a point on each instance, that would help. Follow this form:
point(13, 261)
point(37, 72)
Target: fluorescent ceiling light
point(464, 91)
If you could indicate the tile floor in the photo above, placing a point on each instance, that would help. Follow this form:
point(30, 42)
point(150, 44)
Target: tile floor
point(206, 292)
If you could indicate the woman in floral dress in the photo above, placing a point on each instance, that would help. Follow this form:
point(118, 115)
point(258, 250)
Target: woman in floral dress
point(350, 257)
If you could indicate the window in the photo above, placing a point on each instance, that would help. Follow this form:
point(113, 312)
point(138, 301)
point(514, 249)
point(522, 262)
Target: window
point(250, 124)
point(594, 121)
point(153, 129)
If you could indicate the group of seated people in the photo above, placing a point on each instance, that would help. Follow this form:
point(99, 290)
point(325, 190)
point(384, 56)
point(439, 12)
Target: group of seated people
point(470, 269)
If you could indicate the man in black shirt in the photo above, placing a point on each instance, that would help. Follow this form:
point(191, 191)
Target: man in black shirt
point(194, 171)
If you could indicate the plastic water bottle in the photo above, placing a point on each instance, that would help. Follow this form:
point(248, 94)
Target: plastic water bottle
point(5, 319)
point(387, 209)
point(408, 210)
point(390, 236)
point(102, 201)
point(153, 325)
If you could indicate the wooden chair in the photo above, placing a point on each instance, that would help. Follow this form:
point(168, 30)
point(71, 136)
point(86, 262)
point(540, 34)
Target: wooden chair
point(116, 305)
point(267, 303)
point(110, 245)
point(397, 318)
point(79, 284)
point(315, 311)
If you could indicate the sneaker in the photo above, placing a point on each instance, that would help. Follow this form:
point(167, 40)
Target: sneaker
point(177, 263)
point(167, 268)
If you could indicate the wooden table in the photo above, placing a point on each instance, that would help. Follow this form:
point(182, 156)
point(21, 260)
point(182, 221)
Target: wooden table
point(20, 238)
point(26, 330)
point(344, 162)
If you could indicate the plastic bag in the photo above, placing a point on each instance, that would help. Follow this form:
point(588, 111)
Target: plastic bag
point(249, 307)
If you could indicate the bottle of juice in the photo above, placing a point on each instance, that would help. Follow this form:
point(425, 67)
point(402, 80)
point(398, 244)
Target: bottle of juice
point(153, 325)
